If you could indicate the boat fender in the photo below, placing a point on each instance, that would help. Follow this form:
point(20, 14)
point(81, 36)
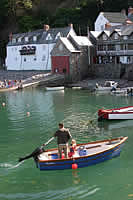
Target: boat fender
point(74, 166)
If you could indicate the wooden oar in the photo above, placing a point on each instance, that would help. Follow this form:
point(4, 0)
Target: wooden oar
point(36, 152)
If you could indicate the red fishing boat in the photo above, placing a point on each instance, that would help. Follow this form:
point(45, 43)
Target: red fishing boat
point(117, 113)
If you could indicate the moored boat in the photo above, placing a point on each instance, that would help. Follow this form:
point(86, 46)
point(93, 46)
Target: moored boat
point(4, 89)
point(117, 113)
point(55, 88)
point(86, 154)
point(107, 87)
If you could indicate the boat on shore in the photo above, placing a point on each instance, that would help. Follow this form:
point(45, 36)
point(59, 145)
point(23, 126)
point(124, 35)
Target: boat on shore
point(55, 88)
point(122, 113)
point(86, 154)
point(4, 89)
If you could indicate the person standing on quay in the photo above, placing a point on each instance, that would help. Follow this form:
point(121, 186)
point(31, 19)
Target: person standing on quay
point(63, 136)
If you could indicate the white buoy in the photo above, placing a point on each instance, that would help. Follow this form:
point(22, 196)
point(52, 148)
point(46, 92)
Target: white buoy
point(28, 113)
point(3, 104)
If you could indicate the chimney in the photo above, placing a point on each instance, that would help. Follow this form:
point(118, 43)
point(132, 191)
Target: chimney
point(71, 25)
point(123, 11)
point(10, 37)
point(46, 27)
point(130, 10)
point(107, 26)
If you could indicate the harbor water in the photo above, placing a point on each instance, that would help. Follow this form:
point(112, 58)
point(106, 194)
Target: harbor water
point(29, 118)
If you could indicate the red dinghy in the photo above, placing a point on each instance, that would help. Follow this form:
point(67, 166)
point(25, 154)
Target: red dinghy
point(117, 113)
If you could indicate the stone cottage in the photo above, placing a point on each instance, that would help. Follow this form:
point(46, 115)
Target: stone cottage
point(71, 56)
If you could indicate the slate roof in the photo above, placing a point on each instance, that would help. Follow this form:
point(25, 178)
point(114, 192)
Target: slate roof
point(127, 30)
point(130, 17)
point(68, 45)
point(41, 36)
point(115, 17)
point(82, 40)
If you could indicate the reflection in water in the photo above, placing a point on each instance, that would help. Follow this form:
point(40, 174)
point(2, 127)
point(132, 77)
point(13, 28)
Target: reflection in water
point(115, 124)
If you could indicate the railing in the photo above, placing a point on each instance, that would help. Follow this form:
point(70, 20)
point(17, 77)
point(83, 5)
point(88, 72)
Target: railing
point(116, 53)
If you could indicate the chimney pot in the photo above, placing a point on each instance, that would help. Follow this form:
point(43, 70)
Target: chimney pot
point(46, 27)
point(71, 25)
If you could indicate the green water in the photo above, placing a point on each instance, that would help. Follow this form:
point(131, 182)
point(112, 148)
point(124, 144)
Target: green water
point(21, 133)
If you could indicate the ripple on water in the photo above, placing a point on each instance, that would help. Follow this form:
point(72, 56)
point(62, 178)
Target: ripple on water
point(79, 192)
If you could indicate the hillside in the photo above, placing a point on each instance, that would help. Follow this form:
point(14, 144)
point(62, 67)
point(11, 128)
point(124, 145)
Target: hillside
point(27, 15)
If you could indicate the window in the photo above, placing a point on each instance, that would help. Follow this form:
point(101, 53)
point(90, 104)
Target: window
point(13, 40)
point(43, 58)
point(60, 47)
point(34, 38)
point(19, 39)
point(117, 47)
point(125, 37)
point(116, 37)
point(58, 35)
point(26, 39)
point(49, 37)
point(104, 37)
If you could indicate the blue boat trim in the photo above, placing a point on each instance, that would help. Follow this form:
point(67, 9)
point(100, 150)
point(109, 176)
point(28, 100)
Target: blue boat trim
point(82, 161)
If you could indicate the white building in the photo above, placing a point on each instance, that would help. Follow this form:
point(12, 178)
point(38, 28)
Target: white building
point(31, 51)
point(109, 19)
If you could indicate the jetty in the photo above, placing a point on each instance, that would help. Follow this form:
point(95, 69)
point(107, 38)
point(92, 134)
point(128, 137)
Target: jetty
point(45, 80)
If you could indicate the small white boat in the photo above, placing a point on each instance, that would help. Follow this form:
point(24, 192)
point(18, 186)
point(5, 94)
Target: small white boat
point(108, 86)
point(120, 91)
point(76, 88)
point(54, 88)
point(119, 113)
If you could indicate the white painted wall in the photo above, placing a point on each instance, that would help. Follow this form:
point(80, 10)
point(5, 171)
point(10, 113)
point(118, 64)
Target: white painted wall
point(40, 61)
point(101, 21)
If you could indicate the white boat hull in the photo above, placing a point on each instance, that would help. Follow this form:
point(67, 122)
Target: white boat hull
point(120, 113)
point(54, 88)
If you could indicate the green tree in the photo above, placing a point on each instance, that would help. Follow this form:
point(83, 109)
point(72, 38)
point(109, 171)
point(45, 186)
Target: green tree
point(115, 6)
point(3, 11)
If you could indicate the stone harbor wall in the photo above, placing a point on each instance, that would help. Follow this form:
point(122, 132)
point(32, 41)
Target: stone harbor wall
point(111, 71)
point(18, 75)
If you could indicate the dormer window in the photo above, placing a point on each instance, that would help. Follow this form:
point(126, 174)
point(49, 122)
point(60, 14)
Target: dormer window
point(125, 37)
point(19, 39)
point(58, 35)
point(34, 38)
point(49, 37)
point(26, 39)
point(104, 37)
point(13, 40)
point(116, 36)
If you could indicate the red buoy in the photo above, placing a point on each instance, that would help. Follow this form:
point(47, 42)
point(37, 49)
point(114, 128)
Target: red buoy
point(62, 156)
point(74, 166)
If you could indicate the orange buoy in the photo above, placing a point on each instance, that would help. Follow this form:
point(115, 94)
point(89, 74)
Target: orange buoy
point(74, 166)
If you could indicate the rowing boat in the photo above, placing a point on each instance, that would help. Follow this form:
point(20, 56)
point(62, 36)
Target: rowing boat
point(86, 154)
point(9, 89)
